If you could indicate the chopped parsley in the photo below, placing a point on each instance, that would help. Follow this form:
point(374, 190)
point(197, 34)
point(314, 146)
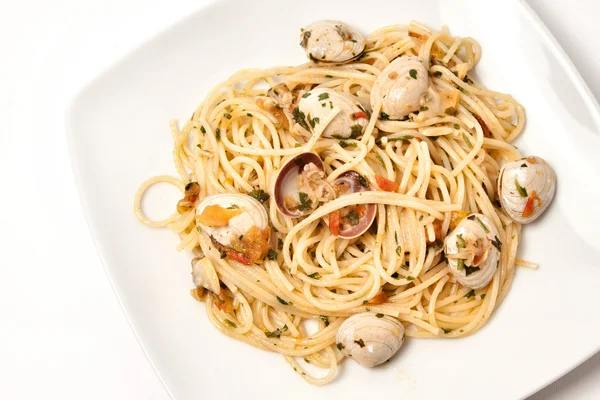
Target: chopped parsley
point(248, 114)
point(305, 202)
point(470, 270)
point(315, 275)
point(482, 296)
point(224, 254)
point(399, 251)
point(282, 301)
point(277, 332)
point(485, 228)
point(524, 165)
point(355, 130)
point(325, 319)
point(470, 294)
point(259, 195)
point(395, 275)
point(202, 130)
point(379, 315)
point(413, 73)
point(446, 331)
point(456, 126)
point(380, 159)
point(227, 115)
point(384, 116)
point(339, 346)
point(218, 134)
point(423, 108)
point(198, 146)
point(272, 255)
point(467, 141)
point(299, 118)
point(345, 144)
point(497, 243)
point(360, 342)
point(328, 76)
point(405, 137)
point(410, 278)
point(233, 207)
point(363, 182)
point(437, 74)
point(323, 96)
point(305, 95)
point(352, 218)
point(230, 324)
point(460, 264)
point(522, 191)
point(460, 242)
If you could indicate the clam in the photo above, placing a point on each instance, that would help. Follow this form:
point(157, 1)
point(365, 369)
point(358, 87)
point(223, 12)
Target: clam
point(301, 185)
point(204, 275)
point(526, 188)
point(331, 41)
point(316, 105)
point(352, 221)
point(473, 251)
point(237, 224)
point(399, 87)
point(370, 339)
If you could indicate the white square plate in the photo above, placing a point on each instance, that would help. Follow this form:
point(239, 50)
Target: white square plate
point(118, 136)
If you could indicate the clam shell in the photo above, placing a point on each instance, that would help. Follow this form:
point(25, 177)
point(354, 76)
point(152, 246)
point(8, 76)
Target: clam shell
point(532, 174)
point(204, 275)
point(352, 180)
point(286, 183)
point(399, 87)
point(471, 227)
point(370, 340)
point(331, 42)
point(254, 214)
point(317, 105)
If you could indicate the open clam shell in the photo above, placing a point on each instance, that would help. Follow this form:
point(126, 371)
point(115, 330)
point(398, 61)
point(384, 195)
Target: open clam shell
point(300, 185)
point(353, 220)
point(331, 42)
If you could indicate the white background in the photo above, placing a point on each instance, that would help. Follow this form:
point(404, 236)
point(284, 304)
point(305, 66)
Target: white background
point(62, 332)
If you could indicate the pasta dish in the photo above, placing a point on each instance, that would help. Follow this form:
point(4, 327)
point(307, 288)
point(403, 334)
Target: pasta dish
point(371, 194)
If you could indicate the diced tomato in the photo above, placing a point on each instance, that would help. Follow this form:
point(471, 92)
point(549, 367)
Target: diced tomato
point(215, 215)
point(379, 298)
point(358, 115)
point(361, 210)
point(239, 257)
point(386, 184)
point(530, 205)
point(334, 222)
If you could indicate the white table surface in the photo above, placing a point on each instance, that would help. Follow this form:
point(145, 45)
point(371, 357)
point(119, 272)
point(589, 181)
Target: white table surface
point(62, 332)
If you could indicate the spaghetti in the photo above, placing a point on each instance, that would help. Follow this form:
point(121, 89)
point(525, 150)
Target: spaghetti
point(443, 166)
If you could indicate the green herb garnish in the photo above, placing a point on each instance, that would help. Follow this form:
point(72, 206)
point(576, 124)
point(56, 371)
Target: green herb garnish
point(299, 118)
point(446, 330)
point(345, 144)
point(339, 346)
point(259, 195)
point(352, 218)
point(355, 130)
point(379, 315)
point(460, 242)
point(277, 332)
point(467, 141)
point(323, 96)
point(470, 270)
point(522, 191)
point(315, 275)
point(380, 159)
point(230, 324)
point(227, 115)
point(410, 278)
point(405, 137)
point(460, 264)
point(305, 202)
point(305, 95)
point(282, 301)
point(456, 126)
point(202, 130)
point(497, 243)
point(413, 73)
point(272, 255)
point(470, 294)
point(360, 342)
point(325, 319)
point(437, 74)
point(423, 108)
point(485, 228)
point(399, 250)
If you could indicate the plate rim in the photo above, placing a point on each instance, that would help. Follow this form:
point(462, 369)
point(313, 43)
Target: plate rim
point(522, 7)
